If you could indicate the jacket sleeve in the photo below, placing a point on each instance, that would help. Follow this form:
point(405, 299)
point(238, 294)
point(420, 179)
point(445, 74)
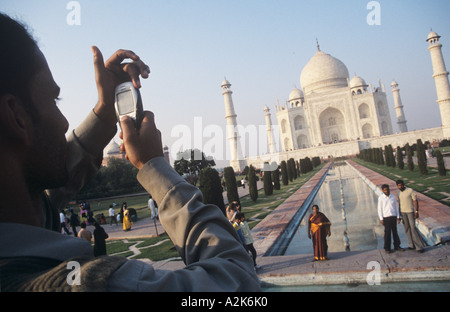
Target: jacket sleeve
point(84, 158)
point(207, 242)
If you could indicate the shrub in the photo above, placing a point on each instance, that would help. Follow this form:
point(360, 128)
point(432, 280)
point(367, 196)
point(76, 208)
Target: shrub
point(284, 173)
point(440, 163)
point(211, 188)
point(231, 185)
point(252, 186)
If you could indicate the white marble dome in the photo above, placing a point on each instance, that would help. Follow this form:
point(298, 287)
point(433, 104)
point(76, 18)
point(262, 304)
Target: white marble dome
point(357, 81)
point(323, 72)
point(295, 94)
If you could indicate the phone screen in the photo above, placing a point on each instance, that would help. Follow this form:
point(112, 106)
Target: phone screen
point(125, 103)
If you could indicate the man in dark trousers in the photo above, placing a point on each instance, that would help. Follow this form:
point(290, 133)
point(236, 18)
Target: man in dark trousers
point(389, 215)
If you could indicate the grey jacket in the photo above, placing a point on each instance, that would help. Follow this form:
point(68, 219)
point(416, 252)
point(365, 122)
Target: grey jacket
point(215, 259)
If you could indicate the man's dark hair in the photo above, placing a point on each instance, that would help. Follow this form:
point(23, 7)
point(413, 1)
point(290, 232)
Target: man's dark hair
point(18, 59)
point(384, 186)
point(399, 182)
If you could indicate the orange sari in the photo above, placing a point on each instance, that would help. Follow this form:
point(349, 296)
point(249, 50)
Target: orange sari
point(319, 227)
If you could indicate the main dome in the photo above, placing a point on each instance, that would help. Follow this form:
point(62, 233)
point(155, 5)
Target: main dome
point(323, 72)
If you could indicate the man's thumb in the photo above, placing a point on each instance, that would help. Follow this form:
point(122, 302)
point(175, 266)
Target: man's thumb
point(99, 65)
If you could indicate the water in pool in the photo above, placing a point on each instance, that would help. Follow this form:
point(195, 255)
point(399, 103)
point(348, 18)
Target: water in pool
point(351, 206)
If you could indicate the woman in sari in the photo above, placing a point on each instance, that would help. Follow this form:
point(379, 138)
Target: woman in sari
point(126, 221)
point(318, 230)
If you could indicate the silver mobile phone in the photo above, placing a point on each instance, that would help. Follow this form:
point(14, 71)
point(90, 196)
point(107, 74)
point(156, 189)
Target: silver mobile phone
point(128, 102)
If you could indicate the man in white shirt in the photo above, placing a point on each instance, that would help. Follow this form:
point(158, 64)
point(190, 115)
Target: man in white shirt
point(62, 220)
point(389, 215)
point(112, 215)
point(152, 207)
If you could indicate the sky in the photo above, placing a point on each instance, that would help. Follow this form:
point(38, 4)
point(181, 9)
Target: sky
point(260, 46)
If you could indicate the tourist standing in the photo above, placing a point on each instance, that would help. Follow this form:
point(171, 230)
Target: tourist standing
point(248, 238)
point(62, 220)
point(100, 237)
point(409, 209)
point(152, 207)
point(389, 215)
point(112, 215)
point(318, 230)
point(127, 220)
point(74, 222)
point(85, 233)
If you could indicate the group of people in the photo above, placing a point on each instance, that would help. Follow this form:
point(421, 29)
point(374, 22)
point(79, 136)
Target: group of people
point(237, 219)
point(391, 211)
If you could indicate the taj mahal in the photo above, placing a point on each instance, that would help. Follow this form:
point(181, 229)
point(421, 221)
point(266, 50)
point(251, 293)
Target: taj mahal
point(333, 115)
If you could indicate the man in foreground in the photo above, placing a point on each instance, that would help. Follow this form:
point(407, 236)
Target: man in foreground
point(41, 170)
point(409, 208)
point(389, 215)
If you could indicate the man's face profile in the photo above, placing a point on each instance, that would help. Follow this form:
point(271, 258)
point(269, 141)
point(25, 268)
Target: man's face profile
point(48, 151)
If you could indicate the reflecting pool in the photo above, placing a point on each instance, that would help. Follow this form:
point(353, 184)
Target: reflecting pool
point(351, 206)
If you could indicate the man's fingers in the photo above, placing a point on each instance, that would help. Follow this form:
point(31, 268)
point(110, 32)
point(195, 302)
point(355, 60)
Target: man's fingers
point(128, 128)
point(98, 61)
point(121, 55)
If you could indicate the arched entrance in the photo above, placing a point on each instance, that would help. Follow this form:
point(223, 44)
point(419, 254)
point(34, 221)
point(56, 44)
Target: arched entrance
point(332, 126)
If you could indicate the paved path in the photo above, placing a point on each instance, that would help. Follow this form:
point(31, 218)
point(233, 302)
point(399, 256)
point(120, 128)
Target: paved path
point(355, 266)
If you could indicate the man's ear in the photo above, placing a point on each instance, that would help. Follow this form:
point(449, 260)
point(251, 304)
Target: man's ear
point(15, 122)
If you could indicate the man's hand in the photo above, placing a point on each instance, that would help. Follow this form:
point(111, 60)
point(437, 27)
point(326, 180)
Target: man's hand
point(141, 145)
point(112, 73)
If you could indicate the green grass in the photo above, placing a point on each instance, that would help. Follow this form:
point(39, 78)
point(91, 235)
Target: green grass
point(431, 185)
point(161, 247)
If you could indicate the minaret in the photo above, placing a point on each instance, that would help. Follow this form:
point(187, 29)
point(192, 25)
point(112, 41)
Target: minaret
point(440, 75)
point(166, 153)
point(236, 161)
point(270, 141)
point(401, 121)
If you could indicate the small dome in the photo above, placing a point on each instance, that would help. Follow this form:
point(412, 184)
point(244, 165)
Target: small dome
point(225, 83)
point(432, 35)
point(357, 82)
point(113, 148)
point(323, 72)
point(295, 94)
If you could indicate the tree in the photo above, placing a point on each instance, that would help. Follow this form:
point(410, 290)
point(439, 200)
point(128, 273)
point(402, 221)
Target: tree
point(292, 170)
point(400, 162)
point(118, 177)
point(267, 180)
point(316, 161)
point(409, 157)
point(421, 158)
point(276, 178)
point(389, 154)
point(231, 185)
point(440, 163)
point(284, 173)
point(252, 186)
point(211, 188)
point(191, 162)
point(380, 156)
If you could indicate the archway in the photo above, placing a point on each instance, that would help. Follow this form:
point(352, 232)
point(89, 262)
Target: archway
point(332, 126)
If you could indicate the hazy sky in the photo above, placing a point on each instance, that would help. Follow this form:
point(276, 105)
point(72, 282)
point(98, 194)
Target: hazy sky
point(260, 46)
